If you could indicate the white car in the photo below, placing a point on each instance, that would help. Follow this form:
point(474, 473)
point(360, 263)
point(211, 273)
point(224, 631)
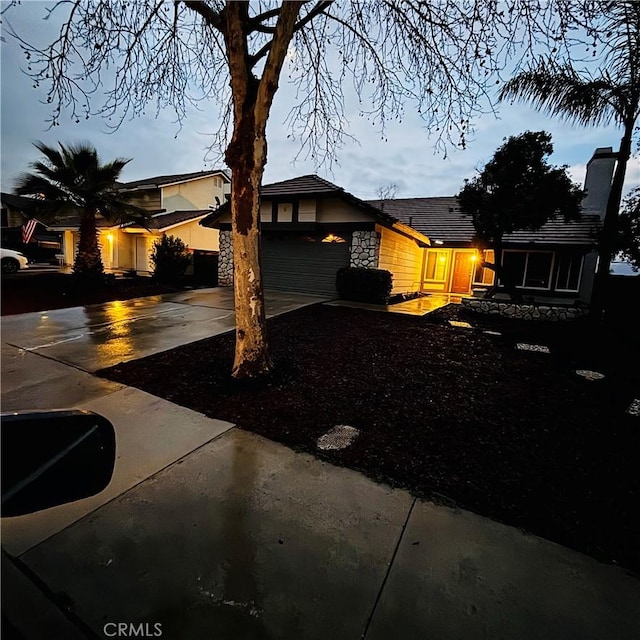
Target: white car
point(12, 261)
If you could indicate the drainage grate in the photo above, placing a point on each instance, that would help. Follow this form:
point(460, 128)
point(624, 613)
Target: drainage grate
point(340, 437)
point(634, 408)
point(462, 325)
point(539, 348)
point(589, 375)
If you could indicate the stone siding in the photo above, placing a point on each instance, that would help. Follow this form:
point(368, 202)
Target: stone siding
point(225, 260)
point(524, 311)
point(365, 249)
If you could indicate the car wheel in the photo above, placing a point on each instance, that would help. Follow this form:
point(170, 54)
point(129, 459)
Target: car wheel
point(9, 265)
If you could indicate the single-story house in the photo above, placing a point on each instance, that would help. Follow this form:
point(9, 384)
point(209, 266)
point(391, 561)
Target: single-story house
point(310, 228)
point(176, 204)
point(556, 263)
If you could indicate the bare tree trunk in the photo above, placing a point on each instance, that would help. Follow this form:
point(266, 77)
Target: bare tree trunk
point(88, 261)
point(246, 157)
point(610, 226)
point(251, 354)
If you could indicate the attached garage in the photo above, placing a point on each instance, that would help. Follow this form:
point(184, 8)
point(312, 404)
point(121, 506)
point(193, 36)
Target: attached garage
point(293, 262)
point(311, 229)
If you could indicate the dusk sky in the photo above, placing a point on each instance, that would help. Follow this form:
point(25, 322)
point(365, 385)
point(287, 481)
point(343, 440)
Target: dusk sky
point(407, 157)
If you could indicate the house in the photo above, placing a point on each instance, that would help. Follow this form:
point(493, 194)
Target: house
point(554, 264)
point(311, 228)
point(16, 211)
point(176, 203)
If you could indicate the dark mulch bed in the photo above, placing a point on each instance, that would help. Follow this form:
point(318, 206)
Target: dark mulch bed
point(454, 415)
point(23, 293)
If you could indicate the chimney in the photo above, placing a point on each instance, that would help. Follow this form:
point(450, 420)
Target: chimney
point(597, 182)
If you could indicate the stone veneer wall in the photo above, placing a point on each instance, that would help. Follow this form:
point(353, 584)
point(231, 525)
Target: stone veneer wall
point(225, 260)
point(523, 311)
point(365, 249)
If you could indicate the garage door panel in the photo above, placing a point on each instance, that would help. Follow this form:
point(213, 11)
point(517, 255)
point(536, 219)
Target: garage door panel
point(307, 267)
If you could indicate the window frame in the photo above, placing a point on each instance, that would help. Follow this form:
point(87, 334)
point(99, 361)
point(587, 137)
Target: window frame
point(526, 265)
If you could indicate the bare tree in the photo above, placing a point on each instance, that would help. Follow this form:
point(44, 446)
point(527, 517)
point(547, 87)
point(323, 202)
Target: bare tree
point(443, 57)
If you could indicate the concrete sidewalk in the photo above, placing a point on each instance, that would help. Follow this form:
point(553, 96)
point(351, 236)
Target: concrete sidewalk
point(213, 532)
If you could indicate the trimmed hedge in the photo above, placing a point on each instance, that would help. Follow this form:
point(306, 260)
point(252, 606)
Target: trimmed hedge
point(364, 285)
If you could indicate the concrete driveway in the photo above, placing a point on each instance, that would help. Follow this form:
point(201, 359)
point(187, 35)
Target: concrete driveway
point(212, 532)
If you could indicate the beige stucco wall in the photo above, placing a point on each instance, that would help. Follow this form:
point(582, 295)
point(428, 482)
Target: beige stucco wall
point(335, 210)
point(196, 236)
point(401, 256)
point(195, 194)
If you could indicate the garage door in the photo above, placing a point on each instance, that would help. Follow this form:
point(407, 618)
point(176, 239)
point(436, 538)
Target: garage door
point(295, 264)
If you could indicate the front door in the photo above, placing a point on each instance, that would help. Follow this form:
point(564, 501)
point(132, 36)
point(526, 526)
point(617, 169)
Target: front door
point(142, 255)
point(462, 271)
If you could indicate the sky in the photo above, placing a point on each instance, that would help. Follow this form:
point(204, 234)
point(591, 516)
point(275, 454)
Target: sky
point(407, 156)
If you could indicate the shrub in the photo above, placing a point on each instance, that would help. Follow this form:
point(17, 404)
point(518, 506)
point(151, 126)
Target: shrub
point(364, 285)
point(170, 258)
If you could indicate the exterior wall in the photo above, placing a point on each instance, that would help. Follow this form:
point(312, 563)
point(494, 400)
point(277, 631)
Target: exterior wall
point(196, 236)
point(69, 243)
point(106, 240)
point(403, 258)
point(195, 194)
point(225, 260)
point(148, 199)
point(335, 210)
point(365, 249)
point(588, 276)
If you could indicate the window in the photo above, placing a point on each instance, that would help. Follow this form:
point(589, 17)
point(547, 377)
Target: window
point(5, 218)
point(530, 269)
point(436, 268)
point(484, 275)
point(569, 270)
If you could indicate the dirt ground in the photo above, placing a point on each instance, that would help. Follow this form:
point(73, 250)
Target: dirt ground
point(455, 415)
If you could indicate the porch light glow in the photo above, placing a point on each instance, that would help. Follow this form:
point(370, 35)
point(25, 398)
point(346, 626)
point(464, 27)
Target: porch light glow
point(474, 257)
point(442, 258)
point(110, 237)
point(330, 237)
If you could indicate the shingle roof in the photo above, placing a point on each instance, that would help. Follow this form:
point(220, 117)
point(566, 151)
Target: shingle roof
point(73, 222)
point(441, 219)
point(309, 185)
point(21, 203)
point(158, 181)
point(302, 185)
point(164, 220)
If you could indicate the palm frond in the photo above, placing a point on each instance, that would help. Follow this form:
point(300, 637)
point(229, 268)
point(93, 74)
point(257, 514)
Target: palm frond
point(560, 91)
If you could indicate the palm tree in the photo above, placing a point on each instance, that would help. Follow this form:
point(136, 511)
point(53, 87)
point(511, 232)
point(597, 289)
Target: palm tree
point(72, 180)
point(613, 96)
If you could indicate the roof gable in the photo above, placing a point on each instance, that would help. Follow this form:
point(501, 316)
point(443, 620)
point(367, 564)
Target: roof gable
point(163, 181)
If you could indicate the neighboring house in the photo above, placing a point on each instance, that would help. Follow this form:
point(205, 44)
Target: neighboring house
point(176, 203)
point(16, 212)
point(311, 228)
point(555, 264)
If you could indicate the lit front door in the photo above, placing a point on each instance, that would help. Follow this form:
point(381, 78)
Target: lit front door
point(463, 265)
point(142, 255)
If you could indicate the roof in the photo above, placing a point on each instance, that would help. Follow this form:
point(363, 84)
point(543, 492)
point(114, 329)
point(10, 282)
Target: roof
point(309, 186)
point(442, 220)
point(159, 181)
point(302, 185)
point(164, 220)
point(73, 222)
point(21, 203)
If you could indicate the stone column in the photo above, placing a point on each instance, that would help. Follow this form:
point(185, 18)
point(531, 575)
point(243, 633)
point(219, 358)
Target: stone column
point(225, 260)
point(365, 249)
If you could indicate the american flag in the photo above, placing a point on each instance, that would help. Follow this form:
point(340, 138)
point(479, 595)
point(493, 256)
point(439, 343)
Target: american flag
point(27, 230)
